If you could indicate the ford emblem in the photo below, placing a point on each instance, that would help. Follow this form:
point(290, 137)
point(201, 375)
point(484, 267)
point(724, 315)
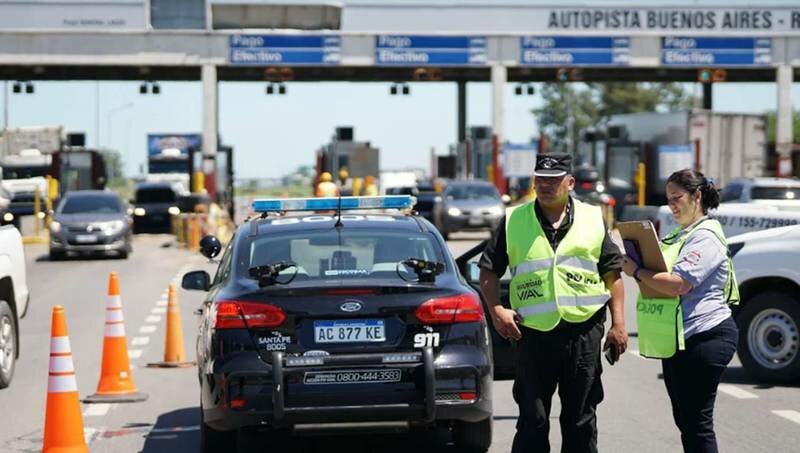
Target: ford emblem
point(350, 306)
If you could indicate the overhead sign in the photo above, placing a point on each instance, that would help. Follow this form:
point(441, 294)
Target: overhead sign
point(400, 50)
point(574, 51)
point(172, 145)
point(688, 51)
point(74, 14)
point(269, 50)
point(519, 159)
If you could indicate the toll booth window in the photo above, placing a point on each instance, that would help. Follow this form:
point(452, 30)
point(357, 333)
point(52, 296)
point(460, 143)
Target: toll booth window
point(775, 193)
point(90, 204)
point(25, 172)
point(155, 196)
point(328, 255)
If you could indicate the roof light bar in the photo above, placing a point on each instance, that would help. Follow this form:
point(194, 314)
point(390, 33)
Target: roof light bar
point(333, 203)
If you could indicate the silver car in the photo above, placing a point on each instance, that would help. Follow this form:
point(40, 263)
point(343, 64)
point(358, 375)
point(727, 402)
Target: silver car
point(90, 222)
point(468, 206)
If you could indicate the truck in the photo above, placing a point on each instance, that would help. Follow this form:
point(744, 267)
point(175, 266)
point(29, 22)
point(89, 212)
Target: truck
point(14, 299)
point(359, 158)
point(170, 157)
point(26, 156)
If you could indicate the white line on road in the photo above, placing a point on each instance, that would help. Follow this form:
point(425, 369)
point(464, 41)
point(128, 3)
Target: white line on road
point(134, 353)
point(147, 329)
point(161, 303)
point(140, 341)
point(635, 352)
point(96, 410)
point(736, 392)
point(158, 310)
point(153, 319)
point(789, 415)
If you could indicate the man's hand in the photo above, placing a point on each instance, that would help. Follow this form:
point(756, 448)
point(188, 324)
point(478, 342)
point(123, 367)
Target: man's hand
point(505, 322)
point(618, 337)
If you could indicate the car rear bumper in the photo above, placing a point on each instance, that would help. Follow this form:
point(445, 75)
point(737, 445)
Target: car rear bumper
point(277, 395)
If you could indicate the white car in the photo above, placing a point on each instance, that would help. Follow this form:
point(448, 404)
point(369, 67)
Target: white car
point(14, 297)
point(783, 193)
point(767, 267)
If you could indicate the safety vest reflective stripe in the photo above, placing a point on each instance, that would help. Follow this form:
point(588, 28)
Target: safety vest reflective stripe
point(574, 261)
point(568, 300)
point(538, 309)
point(531, 266)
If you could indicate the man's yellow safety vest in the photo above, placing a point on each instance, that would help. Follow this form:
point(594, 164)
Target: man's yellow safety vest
point(660, 320)
point(548, 285)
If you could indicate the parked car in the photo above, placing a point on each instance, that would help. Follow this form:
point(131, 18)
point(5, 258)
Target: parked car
point(426, 196)
point(90, 222)
point(589, 187)
point(154, 205)
point(321, 318)
point(766, 264)
point(14, 299)
point(468, 205)
point(783, 193)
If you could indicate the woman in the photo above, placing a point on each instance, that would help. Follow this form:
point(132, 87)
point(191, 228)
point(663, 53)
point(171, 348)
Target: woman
point(691, 328)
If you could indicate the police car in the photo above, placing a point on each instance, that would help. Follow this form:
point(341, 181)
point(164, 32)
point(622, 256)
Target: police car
point(349, 316)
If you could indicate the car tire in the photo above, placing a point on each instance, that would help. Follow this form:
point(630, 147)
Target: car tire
point(214, 441)
point(57, 256)
point(473, 437)
point(769, 340)
point(8, 344)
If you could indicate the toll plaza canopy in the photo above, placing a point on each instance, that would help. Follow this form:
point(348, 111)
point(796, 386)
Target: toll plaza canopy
point(252, 40)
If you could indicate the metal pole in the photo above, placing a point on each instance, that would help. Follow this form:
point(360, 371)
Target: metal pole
point(5, 104)
point(97, 114)
point(783, 132)
point(708, 91)
point(462, 110)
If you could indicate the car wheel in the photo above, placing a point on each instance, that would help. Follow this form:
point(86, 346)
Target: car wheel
point(214, 441)
point(769, 340)
point(474, 437)
point(57, 256)
point(8, 344)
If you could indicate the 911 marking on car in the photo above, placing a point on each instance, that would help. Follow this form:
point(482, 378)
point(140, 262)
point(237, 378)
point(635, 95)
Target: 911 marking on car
point(425, 340)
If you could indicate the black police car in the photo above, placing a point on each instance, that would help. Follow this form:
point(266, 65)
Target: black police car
point(349, 318)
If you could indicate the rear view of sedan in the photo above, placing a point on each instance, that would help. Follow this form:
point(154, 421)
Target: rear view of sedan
point(90, 222)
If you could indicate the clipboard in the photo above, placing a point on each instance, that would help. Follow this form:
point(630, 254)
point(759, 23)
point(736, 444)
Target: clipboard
point(641, 245)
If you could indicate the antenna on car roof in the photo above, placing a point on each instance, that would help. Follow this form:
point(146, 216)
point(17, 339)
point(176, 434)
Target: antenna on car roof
point(339, 214)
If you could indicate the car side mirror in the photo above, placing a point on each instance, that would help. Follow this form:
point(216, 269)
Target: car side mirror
point(506, 199)
point(196, 280)
point(210, 246)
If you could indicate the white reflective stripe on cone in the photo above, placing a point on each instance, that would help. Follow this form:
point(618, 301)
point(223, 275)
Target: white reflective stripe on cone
point(114, 302)
point(114, 330)
point(582, 301)
point(580, 263)
point(59, 345)
point(531, 266)
point(61, 364)
point(62, 384)
point(538, 309)
point(114, 316)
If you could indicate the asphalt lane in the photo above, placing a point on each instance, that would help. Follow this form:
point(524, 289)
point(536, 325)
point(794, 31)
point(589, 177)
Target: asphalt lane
point(635, 415)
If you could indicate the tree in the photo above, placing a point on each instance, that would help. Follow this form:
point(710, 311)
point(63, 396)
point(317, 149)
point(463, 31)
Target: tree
point(772, 126)
point(562, 104)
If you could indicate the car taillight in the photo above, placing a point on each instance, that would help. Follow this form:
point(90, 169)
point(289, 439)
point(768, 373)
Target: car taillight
point(233, 314)
point(586, 185)
point(445, 310)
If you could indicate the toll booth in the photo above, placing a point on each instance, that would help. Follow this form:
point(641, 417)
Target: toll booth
point(473, 156)
point(360, 158)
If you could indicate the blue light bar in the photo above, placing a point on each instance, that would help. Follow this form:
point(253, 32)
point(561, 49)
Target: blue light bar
point(333, 203)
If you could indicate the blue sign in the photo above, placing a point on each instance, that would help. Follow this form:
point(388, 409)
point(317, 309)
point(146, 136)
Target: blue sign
point(400, 50)
point(172, 145)
point(574, 51)
point(263, 50)
point(685, 51)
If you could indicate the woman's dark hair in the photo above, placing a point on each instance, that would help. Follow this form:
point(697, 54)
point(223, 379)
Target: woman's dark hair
point(691, 181)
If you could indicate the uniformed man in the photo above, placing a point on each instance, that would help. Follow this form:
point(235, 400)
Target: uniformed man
point(565, 270)
point(326, 187)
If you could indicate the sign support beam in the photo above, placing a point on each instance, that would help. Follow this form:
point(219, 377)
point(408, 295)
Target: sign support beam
point(462, 110)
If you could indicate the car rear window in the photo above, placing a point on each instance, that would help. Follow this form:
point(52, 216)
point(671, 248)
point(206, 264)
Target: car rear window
point(90, 204)
point(155, 196)
point(343, 254)
point(472, 192)
point(775, 193)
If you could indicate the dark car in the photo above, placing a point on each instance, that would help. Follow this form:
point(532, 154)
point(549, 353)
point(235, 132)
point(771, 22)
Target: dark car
point(468, 205)
point(313, 320)
point(154, 206)
point(426, 196)
point(90, 222)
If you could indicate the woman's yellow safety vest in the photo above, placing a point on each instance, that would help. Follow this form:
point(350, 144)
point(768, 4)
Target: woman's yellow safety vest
point(660, 320)
point(548, 285)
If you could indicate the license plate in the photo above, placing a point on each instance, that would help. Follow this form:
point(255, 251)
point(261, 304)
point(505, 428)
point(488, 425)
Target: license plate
point(349, 331)
point(476, 220)
point(85, 238)
point(351, 376)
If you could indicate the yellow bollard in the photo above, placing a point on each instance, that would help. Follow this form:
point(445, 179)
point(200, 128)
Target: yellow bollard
point(641, 180)
point(37, 208)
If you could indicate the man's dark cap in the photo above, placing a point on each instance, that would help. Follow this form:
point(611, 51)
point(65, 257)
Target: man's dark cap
point(553, 164)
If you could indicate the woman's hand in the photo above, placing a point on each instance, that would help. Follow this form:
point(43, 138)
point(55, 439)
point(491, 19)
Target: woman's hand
point(628, 266)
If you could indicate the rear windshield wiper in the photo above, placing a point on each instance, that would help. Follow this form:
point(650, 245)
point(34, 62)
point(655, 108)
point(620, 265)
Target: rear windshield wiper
point(426, 270)
point(267, 274)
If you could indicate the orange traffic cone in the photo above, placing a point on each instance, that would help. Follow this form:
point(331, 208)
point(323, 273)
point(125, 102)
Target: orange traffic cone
point(174, 356)
point(116, 381)
point(63, 425)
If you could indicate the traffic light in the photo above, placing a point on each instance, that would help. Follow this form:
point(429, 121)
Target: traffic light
point(562, 75)
point(712, 75)
point(569, 74)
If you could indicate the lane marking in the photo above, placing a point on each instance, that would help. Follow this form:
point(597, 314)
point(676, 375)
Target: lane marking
point(161, 303)
point(147, 329)
point(152, 319)
point(97, 410)
point(736, 392)
point(140, 341)
point(789, 415)
point(635, 352)
point(135, 353)
point(158, 310)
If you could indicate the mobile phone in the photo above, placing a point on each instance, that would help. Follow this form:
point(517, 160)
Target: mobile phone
point(612, 356)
